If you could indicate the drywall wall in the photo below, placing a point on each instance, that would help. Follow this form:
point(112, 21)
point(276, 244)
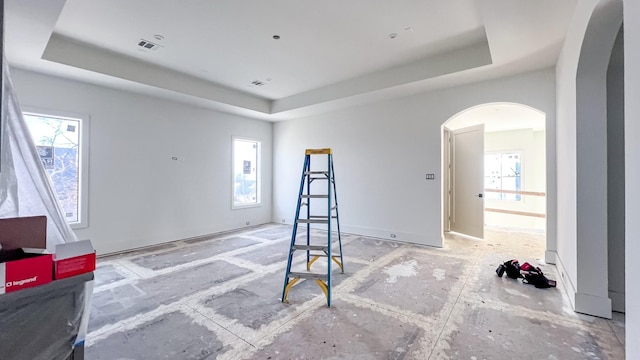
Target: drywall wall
point(615, 174)
point(566, 69)
point(632, 173)
point(582, 154)
point(531, 144)
point(138, 195)
point(382, 152)
point(592, 296)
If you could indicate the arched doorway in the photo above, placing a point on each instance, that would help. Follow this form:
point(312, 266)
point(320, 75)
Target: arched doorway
point(494, 169)
point(599, 185)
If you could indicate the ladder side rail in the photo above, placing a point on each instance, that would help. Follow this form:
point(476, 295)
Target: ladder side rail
point(308, 157)
point(295, 230)
point(330, 175)
point(335, 195)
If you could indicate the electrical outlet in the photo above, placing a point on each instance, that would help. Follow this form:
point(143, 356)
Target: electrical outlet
point(431, 176)
point(393, 236)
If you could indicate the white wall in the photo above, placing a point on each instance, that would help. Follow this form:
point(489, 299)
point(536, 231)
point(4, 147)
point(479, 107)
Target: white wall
point(566, 70)
point(592, 296)
point(632, 173)
point(615, 174)
point(138, 196)
point(382, 152)
point(531, 144)
point(582, 154)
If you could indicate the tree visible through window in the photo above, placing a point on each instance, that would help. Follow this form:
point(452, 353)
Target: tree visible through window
point(246, 180)
point(58, 142)
point(502, 172)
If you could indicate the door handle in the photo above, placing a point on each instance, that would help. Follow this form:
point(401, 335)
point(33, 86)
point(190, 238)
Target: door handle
point(479, 195)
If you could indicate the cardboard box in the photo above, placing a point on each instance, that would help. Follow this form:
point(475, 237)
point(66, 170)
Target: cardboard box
point(24, 262)
point(74, 258)
point(23, 232)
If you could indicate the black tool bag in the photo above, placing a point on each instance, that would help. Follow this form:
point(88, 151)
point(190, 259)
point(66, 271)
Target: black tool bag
point(534, 276)
point(511, 267)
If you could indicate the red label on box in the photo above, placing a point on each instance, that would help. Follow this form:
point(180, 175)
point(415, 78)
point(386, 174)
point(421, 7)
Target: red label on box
point(26, 273)
point(65, 268)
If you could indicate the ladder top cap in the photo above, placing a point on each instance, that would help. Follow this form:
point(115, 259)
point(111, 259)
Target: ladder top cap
point(325, 151)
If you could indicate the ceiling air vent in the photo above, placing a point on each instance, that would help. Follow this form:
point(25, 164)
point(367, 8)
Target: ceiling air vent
point(148, 45)
point(257, 83)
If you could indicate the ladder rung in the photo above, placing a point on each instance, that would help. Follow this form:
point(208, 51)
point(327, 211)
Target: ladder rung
point(323, 255)
point(321, 217)
point(311, 247)
point(308, 275)
point(318, 178)
point(325, 172)
point(314, 196)
point(323, 151)
point(312, 221)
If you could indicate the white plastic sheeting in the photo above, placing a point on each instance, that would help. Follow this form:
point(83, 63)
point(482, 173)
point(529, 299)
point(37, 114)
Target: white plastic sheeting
point(25, 187)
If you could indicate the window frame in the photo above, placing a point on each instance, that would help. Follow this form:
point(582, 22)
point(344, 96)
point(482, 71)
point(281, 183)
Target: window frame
point(258, 202)
point(83, 159)
point(520, 154)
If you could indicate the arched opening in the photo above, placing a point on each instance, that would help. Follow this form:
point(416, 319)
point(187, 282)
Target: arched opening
point(494, 171)
point(599, 186)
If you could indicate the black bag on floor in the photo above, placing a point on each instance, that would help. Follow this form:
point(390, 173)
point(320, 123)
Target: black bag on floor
point(511, 267)
point(535, 277)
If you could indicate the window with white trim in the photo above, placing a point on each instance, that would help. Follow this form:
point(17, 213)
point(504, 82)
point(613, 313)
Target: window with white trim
point(246, 172)
point(502, 171)
point(61, 144)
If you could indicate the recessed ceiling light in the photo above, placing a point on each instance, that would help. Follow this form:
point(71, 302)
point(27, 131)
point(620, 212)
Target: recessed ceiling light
point(393, 36)
point(158, 37)
point(276, 37)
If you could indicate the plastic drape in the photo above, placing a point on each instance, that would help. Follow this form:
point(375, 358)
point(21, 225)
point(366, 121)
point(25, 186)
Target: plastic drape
point(44, 322)
point(25, 187)
point(47, 322)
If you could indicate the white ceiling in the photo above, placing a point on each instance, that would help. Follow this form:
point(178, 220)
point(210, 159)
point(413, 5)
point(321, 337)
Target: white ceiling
point(330, 54)
point(499, 117)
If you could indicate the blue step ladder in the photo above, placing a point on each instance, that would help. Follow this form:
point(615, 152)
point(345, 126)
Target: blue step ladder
point(315, 251)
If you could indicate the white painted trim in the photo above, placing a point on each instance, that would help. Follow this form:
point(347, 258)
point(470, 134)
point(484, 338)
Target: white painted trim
point(446, 179)
point(83, 183)
point(378, 233)
point(550, 257)
point(617, 301)
point(593, 305)
point(565, 280)
point(386, 234)
point(259, 172)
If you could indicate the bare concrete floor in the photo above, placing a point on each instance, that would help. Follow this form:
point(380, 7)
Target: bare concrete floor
point(219, 298)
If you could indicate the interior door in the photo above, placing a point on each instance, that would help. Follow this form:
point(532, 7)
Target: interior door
point(467, 162)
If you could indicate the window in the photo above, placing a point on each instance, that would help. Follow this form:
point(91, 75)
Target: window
point(62, 149)
point(246, 173)
point(502, 171)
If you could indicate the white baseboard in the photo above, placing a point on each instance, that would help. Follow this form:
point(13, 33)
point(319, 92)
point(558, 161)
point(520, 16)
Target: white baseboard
point(550, 257)
point(617, 301)
point(566, 282)
point(593, 305)
point(378, 233)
